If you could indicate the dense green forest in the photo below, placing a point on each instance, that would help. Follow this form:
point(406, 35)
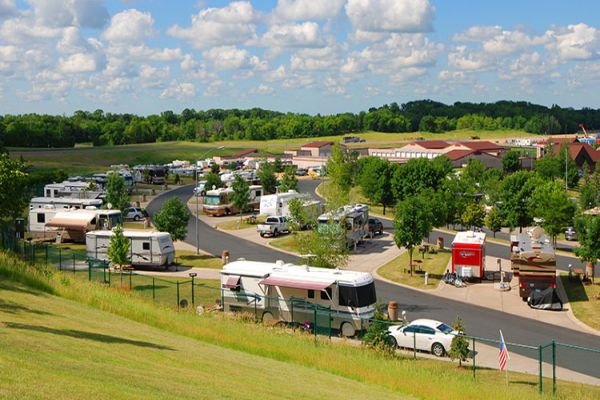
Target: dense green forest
point(100, 128)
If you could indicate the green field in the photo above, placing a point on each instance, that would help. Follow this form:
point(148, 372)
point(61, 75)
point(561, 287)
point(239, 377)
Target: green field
point(97, 342)
point(398, 269)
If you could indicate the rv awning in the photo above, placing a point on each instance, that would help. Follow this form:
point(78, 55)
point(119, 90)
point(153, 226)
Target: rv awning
point(296, 284)
point(71, 223)
point(233, 281)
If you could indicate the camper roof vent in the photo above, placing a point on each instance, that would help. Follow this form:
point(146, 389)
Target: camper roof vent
point(279, 263)
point(241, 259)
point(337, 271)
point(90, 208)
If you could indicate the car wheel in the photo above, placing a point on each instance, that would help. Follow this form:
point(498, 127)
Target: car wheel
point(347, 329)
point(392, 341)
point(136, 218)
point(438, 350)
point(267, 317)
point(262, 235)
point(275, 233)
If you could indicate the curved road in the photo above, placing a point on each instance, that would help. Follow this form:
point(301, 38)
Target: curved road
point(480, 321)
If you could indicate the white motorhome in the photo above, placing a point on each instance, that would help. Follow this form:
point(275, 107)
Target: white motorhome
point(353, 218)
point(51, 223)
point(153, 249)
point(217, 202)
point(73, 189)
point(63, 203)
point(291, 293)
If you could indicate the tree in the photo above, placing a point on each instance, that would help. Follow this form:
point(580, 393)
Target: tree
point(267, 177)
point(551, 203)
point(288, 180)
point(375, 181)
point(459, 348)
point(299, 215)
point(510, 162)
point(412, 222)
point(173, 218)
point(213, 181)
point(588, 227)
point(326, 246)
point(572, 171)
point(473, 215)
point(116, 192)
point(589, 195)
point(118, 249)
point(493, 220)
point(339, 169)
point(515, 191)
point(241, 195)
point(13, 181)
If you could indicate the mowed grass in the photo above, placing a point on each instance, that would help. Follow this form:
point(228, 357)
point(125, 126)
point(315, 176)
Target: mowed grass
point(53, 348)
point(281, 364)
point(584, 300)
point(246, 223)
point(189, 259)
point(290, 242)
point(398, 270)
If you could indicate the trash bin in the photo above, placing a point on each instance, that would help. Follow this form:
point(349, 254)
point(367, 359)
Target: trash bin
point(393, 311)
point(440, 243)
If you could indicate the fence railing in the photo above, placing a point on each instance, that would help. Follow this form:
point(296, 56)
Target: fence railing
point(296, 313)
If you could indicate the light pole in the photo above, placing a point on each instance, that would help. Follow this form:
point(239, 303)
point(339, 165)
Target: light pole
point(196, 194)
point(192, 275)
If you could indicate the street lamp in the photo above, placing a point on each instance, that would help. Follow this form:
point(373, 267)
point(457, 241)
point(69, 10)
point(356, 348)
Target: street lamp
point(196, 194)
point(192, 275)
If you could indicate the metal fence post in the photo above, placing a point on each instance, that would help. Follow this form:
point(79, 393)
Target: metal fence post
point(90, 270)
point(109, 277)
point(59, 259)
point(540, 367)
point(553, 367)
point(73, 254)
point(153, 290)
point(255, 308)
point(193, 291)
point(177, 294)
point(329, 316)
point(473, 358)
point(46, 248)
point(415, 345)
point(315, 327)
point(130, 286)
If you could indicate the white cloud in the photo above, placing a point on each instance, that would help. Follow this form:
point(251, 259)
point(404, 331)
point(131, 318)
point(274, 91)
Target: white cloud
point(478, 33)
point(262, 89)
point(7, 8)
point(233, 24)
point(63, 13)
point(180, 91)
point(232, 57)
point(276, 75)
point(152, 77)
point(8, 53)
point(462, 58)
point(78, 63)
point(315, 59)
point(391, 15)
point(575, 42)
point(130, 27)
point(307, 9)
point(214, 88)
point(306, 34)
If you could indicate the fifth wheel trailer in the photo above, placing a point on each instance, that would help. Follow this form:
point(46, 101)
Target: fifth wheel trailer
point(153, 249)
point(288, 292)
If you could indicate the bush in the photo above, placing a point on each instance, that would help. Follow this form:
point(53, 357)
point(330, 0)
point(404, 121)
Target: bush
point(377, 336)
point(459, 348)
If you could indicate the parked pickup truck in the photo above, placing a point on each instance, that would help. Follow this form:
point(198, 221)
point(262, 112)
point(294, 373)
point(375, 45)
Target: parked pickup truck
point(273, 226)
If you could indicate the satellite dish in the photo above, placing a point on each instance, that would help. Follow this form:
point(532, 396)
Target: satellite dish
point(109, 206)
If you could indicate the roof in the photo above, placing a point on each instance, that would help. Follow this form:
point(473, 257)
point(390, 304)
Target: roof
point(426, 322)
point(298, 283)
point(71, 221)
point(469, 237)
point(559, 141)
point(317, 144)
point(454, 155)
point(482, 145)
point(130, 233)
point(243, 153)
point(303, 273)
point(577, 147)
point(431, 144)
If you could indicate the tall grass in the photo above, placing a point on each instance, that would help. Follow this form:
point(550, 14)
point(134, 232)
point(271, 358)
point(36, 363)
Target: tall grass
point(423, 378)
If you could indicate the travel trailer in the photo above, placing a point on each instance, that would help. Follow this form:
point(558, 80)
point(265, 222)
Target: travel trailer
point(273, 205)
point(64, 203)
point(217, 202)
point(533, 260)
point(152, 249)
point(50, 223)
point(292, 293)
point(154, 174)
point(73, 189)
point(353, 218)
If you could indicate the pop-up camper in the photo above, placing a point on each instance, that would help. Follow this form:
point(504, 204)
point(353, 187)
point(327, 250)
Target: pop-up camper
point(152, 249)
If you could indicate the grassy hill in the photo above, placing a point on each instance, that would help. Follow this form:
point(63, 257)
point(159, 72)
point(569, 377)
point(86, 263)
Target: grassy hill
point(63, 338)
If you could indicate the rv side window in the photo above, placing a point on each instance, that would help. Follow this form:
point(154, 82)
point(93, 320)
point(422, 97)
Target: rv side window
point(48, 193)
point(146, 246)
point(311, 294)
point(41, 218)
point(327, 294)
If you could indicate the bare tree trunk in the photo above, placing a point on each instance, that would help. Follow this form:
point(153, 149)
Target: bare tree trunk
point(410, 257)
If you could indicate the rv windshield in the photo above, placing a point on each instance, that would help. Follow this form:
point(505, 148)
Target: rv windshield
point(212, 200)
point(115, 219)
point(357, 296)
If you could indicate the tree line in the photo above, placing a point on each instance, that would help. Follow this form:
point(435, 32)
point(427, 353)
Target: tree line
point(100, 128)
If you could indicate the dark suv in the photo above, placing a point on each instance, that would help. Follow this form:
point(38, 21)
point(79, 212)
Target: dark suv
point(375, 227)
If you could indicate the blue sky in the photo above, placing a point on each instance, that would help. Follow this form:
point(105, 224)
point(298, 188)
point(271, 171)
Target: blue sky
point(312, 56)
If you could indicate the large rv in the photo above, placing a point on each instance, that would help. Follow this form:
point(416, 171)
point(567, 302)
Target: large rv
point(73, 189)
point(153, 249)
point(353, 218)
point(154, 174)
point(291, 293)
point(533, 261)
point(273, 205)
point(50, 223)
point(217, 202)
point(64, 203)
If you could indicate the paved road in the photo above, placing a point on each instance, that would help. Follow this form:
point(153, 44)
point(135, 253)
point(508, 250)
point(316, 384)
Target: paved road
point(479, 321)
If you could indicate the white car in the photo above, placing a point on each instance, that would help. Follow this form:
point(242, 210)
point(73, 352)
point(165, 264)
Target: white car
point(429, 335)
point(136, 214)
point(200, 189)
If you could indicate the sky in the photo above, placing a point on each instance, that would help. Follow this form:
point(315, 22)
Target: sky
point(307, 56)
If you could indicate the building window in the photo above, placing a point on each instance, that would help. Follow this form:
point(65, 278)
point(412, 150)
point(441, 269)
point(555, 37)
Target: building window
point(311, 294)
point(146, 246)
point(41, 218)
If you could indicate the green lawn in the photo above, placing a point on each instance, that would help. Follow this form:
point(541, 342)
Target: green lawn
point(188, 258)
point(397, 270)
point(289, 242)
point(584, 300)
point(235, 224)
point(120, 346)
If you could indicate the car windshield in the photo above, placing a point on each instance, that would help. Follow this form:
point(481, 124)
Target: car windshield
point(445, 328)
point(212, 200)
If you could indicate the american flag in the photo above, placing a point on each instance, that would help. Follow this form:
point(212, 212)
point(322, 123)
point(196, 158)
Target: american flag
point(503, 355)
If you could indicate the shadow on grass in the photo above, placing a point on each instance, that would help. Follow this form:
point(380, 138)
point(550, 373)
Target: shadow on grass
point(575, 290)
point(19, 289)
point(77, 334)
point(14, 308)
